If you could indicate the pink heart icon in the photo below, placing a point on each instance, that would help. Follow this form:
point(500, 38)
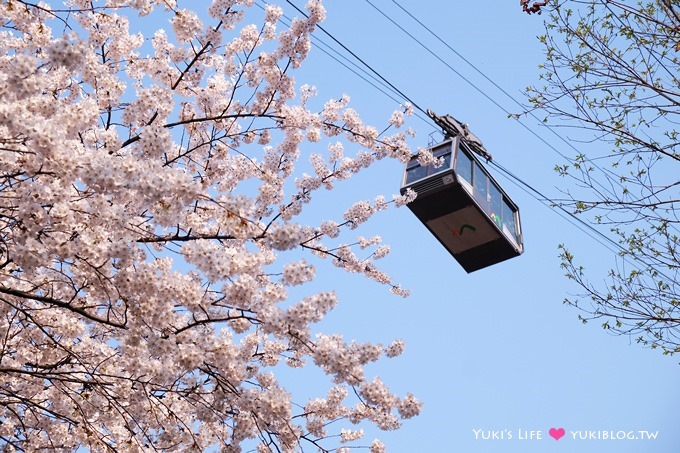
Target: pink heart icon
point(556, 433)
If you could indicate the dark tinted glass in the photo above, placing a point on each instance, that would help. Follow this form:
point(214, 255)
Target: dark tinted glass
point(415, 173)
point(509, 221)
point(464, 165)
point(495, 203)
point(480, 183)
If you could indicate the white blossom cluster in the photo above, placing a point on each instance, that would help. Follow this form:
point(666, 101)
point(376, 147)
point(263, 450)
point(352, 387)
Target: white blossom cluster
point(151, 191)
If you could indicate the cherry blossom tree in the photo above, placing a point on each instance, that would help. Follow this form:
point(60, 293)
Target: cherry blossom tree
point(152, 196)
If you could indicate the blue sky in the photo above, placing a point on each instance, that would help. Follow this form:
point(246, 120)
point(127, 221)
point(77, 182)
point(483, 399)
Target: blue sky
point(497, 349)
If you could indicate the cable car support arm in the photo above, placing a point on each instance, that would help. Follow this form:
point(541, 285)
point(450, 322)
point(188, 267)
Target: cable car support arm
point(453, 128)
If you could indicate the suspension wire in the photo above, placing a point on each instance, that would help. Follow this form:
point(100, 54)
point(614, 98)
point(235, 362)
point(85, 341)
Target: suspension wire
point(434, 54)
point(532, 191)
point(350, 65)
point(609, 173)
point(477, 70)
point(337, 56)
point(578, 222)
point(370, 68)
point(582, 225)
point(610, 176)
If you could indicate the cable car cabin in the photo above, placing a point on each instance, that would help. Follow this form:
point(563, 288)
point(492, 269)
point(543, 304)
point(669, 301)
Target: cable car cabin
point(464, 207)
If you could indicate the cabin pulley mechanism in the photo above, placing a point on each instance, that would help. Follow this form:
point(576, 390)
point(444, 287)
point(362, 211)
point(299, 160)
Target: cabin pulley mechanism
point(454, 128)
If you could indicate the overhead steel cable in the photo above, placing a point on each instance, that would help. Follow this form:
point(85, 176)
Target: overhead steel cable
point(604, 240)
point(611, 177)
point(541, 198)
point(434, 54)
point(329, 51)
point(369, 67)
point(479, 90)
point(337, 56)
point(579, 223)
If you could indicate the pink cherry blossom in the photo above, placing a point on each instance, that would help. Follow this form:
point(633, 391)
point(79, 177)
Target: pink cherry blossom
point(155, 232)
